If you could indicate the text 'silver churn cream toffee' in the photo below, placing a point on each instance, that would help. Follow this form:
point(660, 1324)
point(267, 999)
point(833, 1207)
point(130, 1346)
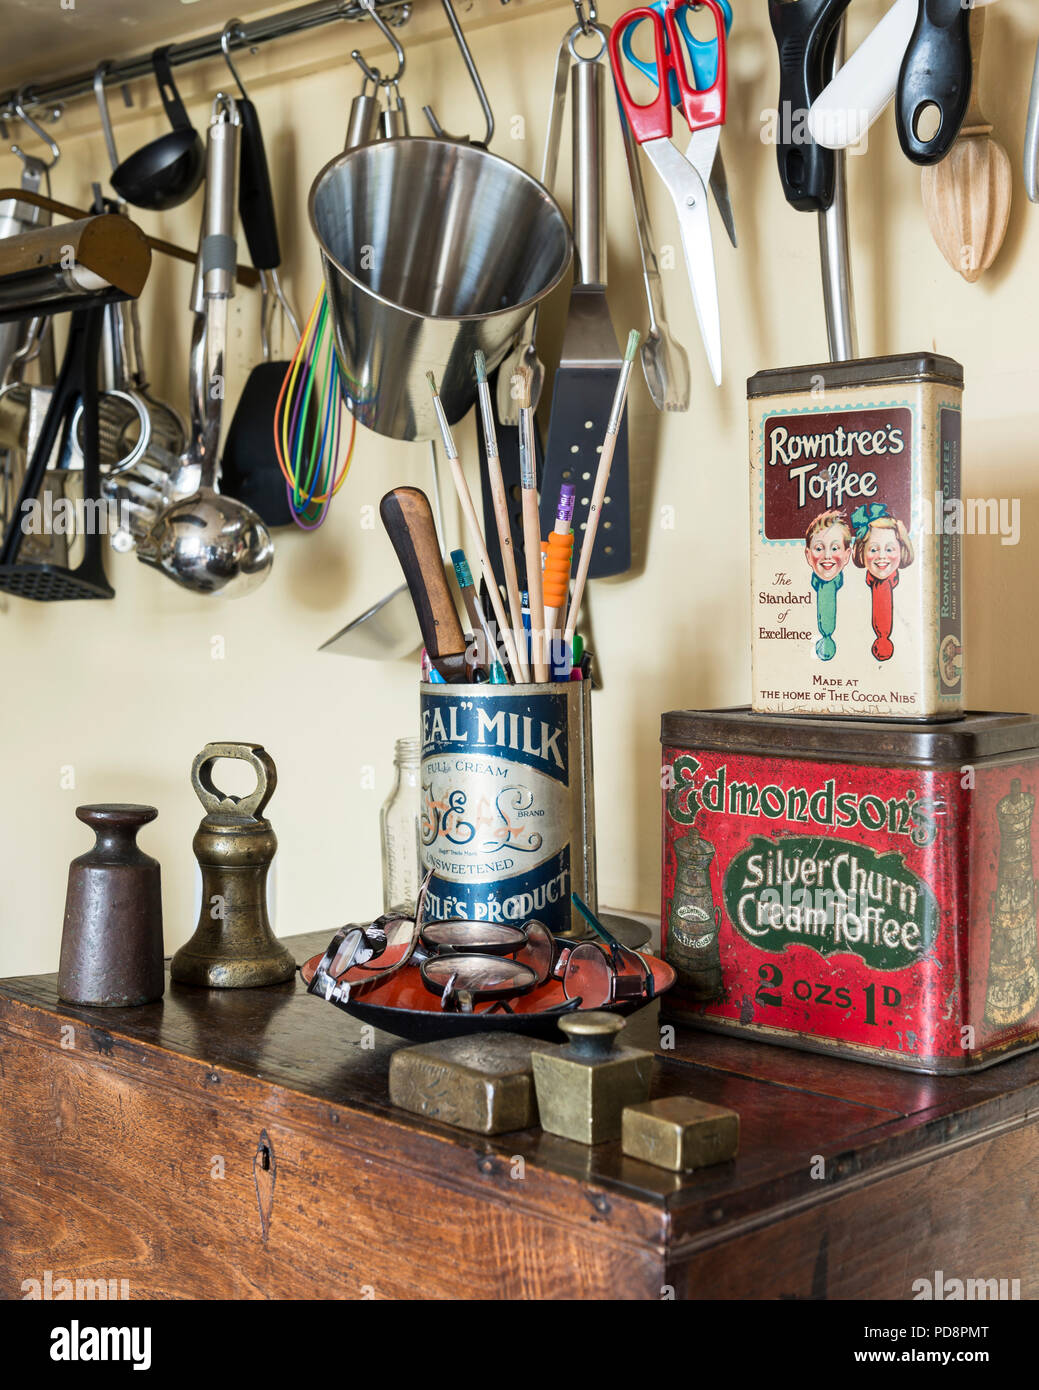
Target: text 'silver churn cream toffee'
point(858, 887)
point(855, 539)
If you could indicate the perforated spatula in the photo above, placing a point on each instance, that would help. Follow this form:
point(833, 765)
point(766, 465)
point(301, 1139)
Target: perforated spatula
point(590, 359)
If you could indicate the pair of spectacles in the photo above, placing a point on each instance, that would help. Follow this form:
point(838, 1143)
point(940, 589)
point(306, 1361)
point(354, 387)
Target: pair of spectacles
point(357, 957)
point(598, 977)
point(464, 978)
point(465, 981)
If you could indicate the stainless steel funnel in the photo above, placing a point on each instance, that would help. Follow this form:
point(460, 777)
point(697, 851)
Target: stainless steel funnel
point(430, 249)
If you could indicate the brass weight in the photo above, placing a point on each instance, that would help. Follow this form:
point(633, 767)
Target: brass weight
point(233, 946)
point(583, 1087)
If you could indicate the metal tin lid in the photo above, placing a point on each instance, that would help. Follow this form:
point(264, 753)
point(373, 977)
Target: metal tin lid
point(977, 736)
point(864, 371)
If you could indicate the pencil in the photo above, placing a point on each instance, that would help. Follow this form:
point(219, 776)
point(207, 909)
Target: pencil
point(602, 478)
point(559, 551)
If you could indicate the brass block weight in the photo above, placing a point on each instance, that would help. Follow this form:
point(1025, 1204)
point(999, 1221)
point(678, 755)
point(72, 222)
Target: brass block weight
point(233, 946)
point(583, 1087)
point(482, 1083)
point(680, 1133)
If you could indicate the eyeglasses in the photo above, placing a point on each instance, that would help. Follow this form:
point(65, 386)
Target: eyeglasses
point(598, 977)
point(468, 963)
point(463, 981)
point(357, 957)
point(463, 937)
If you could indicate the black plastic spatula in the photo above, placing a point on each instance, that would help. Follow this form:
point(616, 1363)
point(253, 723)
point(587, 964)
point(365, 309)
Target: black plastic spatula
point(590, 362)
point(250, 464)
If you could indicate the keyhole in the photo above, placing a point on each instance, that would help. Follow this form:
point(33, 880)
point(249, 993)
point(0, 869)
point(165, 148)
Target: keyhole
point(264, 1156)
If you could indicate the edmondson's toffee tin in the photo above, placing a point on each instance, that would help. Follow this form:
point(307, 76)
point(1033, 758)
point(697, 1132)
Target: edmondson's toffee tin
point(507, 820)
point(855, 539)
point(871, 885)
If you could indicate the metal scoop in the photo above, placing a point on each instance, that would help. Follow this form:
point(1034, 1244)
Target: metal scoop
point(206, 542)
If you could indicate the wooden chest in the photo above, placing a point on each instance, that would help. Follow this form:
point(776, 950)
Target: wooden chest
point(242, 1145)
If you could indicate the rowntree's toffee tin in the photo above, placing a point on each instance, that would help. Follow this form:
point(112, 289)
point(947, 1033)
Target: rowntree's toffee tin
point(855, 541)
point(507, 821)
point(863, 888)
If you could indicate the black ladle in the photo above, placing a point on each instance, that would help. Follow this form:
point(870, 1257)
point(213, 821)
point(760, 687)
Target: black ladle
point(167, 171)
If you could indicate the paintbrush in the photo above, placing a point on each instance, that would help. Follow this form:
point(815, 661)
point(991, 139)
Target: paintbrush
point(481, 627)
point(464, 496)
point(602, 478)
point(531, 527)
point(501, 513)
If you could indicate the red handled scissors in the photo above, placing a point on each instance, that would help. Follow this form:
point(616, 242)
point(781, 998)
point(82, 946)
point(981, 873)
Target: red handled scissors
point(686, 178)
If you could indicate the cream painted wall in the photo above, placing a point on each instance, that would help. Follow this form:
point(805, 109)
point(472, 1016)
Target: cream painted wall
point(125, 693)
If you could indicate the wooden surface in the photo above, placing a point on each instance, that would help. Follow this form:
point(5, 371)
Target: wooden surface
point(242, 1144)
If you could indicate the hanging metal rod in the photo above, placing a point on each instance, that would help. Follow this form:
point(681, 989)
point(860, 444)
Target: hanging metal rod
point(248, 34)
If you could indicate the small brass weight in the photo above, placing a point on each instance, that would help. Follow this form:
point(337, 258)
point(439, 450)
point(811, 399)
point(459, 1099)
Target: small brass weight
point(233, 946)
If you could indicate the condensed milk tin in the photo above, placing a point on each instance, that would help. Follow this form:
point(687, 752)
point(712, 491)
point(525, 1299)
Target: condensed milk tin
point(856, 532)
point(854, 886)
point(507, 819)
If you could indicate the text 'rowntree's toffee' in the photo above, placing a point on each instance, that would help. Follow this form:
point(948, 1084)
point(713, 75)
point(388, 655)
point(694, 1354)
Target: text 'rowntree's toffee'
point(856, 532)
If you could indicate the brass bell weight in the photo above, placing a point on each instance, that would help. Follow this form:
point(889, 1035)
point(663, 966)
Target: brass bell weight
point(233, 946)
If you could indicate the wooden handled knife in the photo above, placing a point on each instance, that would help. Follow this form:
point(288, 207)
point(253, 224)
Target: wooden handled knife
point(408, 519)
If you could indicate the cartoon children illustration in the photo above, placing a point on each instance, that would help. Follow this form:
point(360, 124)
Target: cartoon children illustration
point(882, 547)
point(828, 550)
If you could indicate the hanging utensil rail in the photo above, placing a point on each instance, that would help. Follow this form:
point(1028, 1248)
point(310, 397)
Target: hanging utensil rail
point(246, 35)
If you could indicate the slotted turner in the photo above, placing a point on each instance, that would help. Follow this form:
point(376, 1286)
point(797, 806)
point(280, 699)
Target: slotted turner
point(590, 359)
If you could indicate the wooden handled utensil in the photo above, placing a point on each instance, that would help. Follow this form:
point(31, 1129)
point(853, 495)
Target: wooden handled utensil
point(967, 196)
point(408, 519)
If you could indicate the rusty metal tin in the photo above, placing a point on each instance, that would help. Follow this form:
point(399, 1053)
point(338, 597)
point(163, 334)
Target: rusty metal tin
point(875, 882)
point(856, 533)
point(508, 812)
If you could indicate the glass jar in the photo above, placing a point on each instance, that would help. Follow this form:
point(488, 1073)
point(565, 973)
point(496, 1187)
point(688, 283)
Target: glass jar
point(399, 822)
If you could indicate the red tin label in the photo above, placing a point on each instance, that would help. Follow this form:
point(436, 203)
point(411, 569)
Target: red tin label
point(889, 910)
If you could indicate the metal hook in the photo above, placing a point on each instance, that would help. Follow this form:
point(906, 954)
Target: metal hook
point(467, 58)
point(372, 75)
point(390, 37)
point(100, 72)
point(233, 26)
point(593, 15)
point(23, 115)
